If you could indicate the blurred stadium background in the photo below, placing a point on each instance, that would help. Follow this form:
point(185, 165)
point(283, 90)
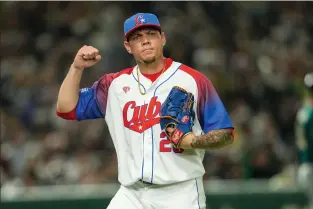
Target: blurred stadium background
point(255, 53)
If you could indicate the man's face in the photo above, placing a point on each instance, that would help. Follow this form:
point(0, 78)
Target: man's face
point(145, 44)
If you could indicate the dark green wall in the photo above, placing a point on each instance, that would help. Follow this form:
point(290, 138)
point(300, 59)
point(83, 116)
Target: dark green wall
point(236, 201)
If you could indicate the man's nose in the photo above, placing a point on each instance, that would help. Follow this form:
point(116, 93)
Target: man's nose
point(145, 40)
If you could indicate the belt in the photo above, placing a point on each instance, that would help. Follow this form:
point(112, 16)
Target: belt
point(145, 182)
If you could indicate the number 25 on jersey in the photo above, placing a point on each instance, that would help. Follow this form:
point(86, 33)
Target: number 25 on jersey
point(165, 144)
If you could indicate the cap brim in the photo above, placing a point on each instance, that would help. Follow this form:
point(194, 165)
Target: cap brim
point(141, 26)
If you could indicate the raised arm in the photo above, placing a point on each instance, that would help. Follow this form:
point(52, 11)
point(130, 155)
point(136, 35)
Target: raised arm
point(68, 96)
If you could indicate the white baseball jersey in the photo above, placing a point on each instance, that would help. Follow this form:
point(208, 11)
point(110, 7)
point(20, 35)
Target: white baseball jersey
point(143, 150)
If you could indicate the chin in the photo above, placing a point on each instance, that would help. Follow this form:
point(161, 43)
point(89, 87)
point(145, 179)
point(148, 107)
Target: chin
point(148, 60)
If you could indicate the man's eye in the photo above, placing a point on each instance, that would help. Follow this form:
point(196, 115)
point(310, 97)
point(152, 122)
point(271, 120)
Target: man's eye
point(135, 37)
point(151, 33)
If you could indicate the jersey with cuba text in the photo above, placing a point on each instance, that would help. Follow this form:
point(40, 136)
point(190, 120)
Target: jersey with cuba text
point(143, 150)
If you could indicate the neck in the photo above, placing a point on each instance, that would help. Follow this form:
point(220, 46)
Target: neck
point(153, 67)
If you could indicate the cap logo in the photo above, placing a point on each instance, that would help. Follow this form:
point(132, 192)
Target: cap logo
point(139, 20)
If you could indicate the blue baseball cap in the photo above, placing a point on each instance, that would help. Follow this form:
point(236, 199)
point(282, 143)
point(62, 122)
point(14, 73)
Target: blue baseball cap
point(140, 20)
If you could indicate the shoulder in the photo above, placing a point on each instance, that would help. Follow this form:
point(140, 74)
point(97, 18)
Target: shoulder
point(126, 71)
point(108, 78)
point(198, 76)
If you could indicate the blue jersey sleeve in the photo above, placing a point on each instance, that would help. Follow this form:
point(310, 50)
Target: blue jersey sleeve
point(92, 101)
point(212, 114)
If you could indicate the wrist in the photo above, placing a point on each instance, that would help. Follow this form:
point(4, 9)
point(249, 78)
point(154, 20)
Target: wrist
point(76, 68)
point(186, 141)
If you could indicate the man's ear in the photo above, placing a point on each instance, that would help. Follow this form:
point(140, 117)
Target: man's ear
point(127, 47)
point(163, 37)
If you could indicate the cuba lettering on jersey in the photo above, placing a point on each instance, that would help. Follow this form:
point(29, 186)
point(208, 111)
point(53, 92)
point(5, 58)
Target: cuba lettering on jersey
point(143, 150)
point(143, 117)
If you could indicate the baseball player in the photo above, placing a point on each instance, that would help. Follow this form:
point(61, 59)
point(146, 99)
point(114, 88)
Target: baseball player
point(304, 140)
point(162, 116)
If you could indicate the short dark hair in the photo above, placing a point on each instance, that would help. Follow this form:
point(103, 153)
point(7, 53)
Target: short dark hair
point(141, 28)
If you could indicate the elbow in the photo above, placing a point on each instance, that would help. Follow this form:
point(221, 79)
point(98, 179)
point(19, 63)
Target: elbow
point(67, 115)
point(64, 106)
point(230, 139)
point(66, 103)
point(232, 135)
point(60, 108)
point(226, 139)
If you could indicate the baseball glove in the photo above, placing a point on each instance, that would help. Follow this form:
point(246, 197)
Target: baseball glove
point(177, 112)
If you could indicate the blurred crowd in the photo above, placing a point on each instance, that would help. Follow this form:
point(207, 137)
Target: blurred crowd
point(255, 53)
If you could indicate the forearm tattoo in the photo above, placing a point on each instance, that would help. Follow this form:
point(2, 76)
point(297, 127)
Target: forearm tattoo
point(213, 139)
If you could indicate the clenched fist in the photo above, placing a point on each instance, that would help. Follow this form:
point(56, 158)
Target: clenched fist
point(86, 56)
